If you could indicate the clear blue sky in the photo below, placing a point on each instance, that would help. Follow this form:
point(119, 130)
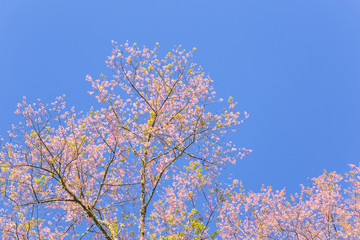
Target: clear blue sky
point(294, 66)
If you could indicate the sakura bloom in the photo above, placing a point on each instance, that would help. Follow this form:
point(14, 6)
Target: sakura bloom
point(142, 164)
point(145, 161)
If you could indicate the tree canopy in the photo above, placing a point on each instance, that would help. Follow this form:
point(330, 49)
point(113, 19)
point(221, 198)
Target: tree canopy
point(145, 163)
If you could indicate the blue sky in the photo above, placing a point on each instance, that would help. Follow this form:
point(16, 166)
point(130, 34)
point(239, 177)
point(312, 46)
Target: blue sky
point(292, 65)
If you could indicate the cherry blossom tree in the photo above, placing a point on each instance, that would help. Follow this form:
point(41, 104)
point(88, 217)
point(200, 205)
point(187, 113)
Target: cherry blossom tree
point(145, 163)
point(329, 208)
point(141, 164)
